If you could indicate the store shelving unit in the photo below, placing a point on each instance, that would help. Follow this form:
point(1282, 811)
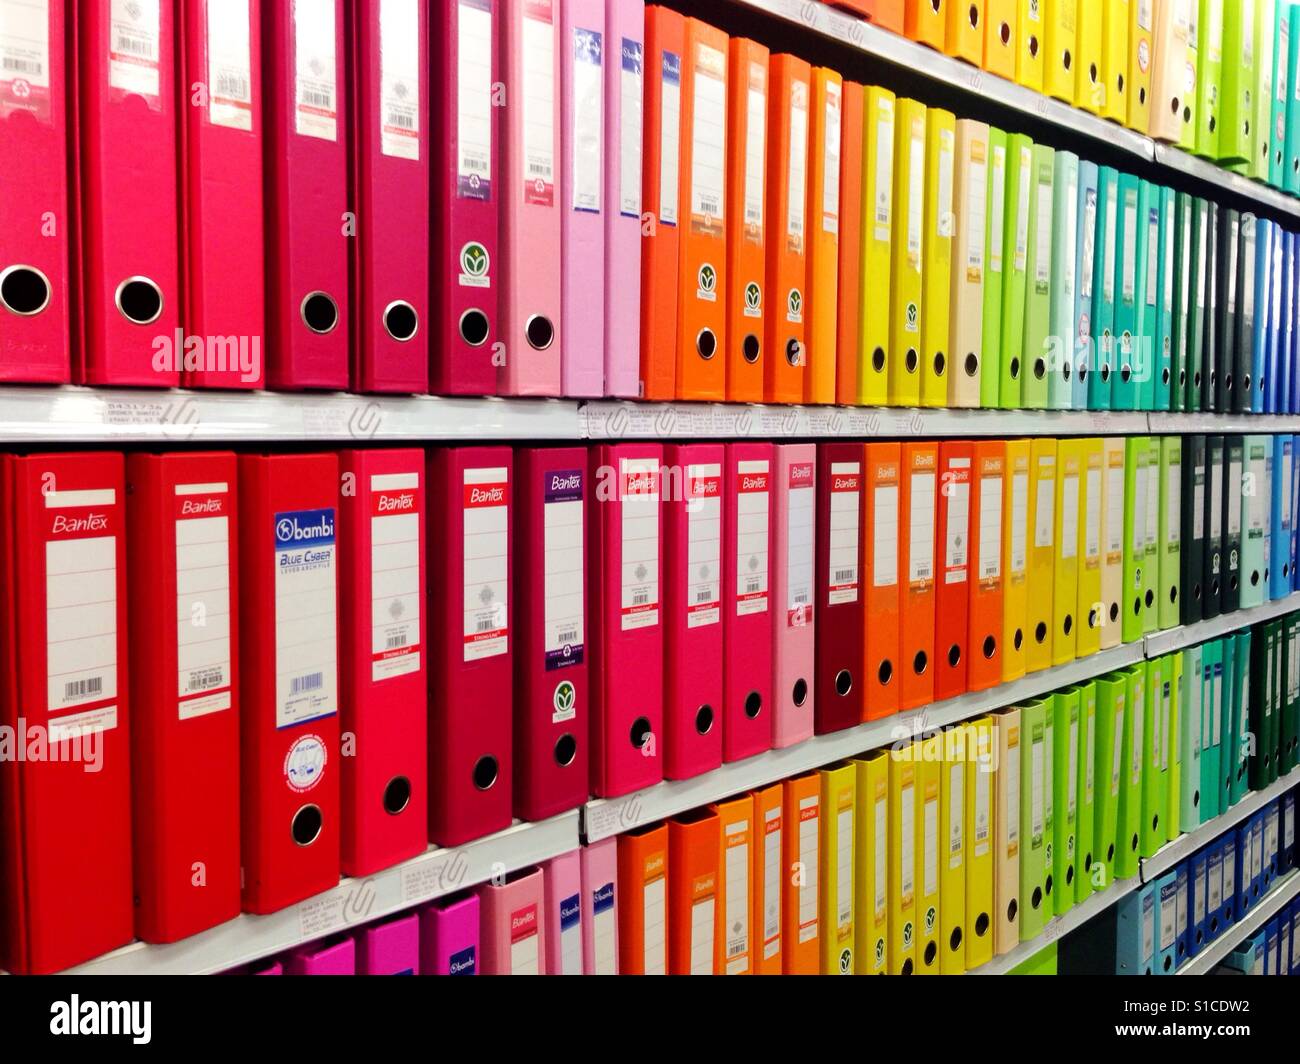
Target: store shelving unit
point(1267, 907)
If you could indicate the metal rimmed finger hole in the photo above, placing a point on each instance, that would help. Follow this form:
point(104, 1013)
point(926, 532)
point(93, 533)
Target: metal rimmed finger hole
point(799, 693)
point(641, 731)
point(750, 348)
point(878, 360)
point(307, 825)
point(319, 313)
point(920, 663)
point(704, 717)
point(397, 795)
point(474, 328)
point(940, 363)
point(954, 655)
point(486, 771)
point(401, 321)
point(843, 682)
point(753, 705)
point(139, 300)
point(539, 331)
point(792, 350)
point(24, 291)
point(885, 673)
point(1092, 618)
point(566, 749)
point(972, 364)
point(1125, 372)
point(706, 344)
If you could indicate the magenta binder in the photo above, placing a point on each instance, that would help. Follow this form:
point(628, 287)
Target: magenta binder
point(223, 290)
point(693, 628)
point(585, 63)
point(390, 948)
point(449, 937)
point(328, 957)
point(793, 619)
point(625, 607)
point(390, 145)
point(600, 908)
point(531, 201)
point(513, 925)
point(747, 602)
point(308, 309)
point(466, 195)
point(35, 283)
point(562, 880)
point(274, 968)
point(624, 84)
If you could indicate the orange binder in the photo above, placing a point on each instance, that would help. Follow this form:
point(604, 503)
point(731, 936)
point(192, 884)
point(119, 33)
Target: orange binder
point(1000, 38)
point(800, 947)
point(985, 640)
point(964, 33)
point(846, 343)
point(665, 40)
point(692, 892)
point(920, 465)
point(746, 244)
point(643, 901)
point(887, 14)
point(923, 21)
point(880, 547)
point(702, 241)
point(824, 193)
point(733, 936)
point(787, 179)
point(766, 880)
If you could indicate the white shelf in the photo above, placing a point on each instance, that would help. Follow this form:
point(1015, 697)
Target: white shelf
point(1172, 639)
point(1259, 193)
point(1265, 909)
point(353, 902)
point(1168, 423)
point(603, 817)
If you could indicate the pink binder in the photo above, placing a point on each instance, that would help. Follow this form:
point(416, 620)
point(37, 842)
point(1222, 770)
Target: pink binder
point(126, 208)
point(514, 925)
point(624, 84)
point(223, 291)
point(793, 581)
point(562, 877)
point(466, 192)
point(324, 958)
point(308, 312)
point(390, 145)
point(585, 63)
point(531, 201)
point(625, 607)
point(35, 305)
point(274, 968)
point(747, 601)
point(551, 690)
point(390, 948)
point(384, 658)
point(449, 937)
point(599, 908)
point(693, 628)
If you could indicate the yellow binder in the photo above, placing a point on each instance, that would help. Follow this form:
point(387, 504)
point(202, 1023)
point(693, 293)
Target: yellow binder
point(1061, 47)
point(902, 859)
point(1006, 830)
point(871, 865)
point(1015, 560)
point(1089, 79)
point(1065, 581)
point(928, 855)
point(874, 349)
point(1112, 543)
point(981, 760)
point(1114, 58)
point(964, 33)
point(1139, 64)
point(966, 300)
point(909, 239)
point(1042, 553)
point(952, 851)
point(936, 255)
point(1090, 610)
point(1029, 56)
point(838, 792)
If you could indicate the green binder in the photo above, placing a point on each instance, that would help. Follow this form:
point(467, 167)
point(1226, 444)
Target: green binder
point(1179, 350)
point(1034, 799)
point(1190, 722)
point(1274, 736)
point(1262, 96)
point(1065, 798)
point(1136, 459)
point(1168, 545)
point(1128, 841)
point(1151, 555)
point(1155, 771)
point(1111, 700)
point(1211, 727)
point(1262, 654)
point(1103, 290)
point(1124, 387)
point(1065, 236)
point(1227, 747)
point(1237, 79)
point(1209, 74)
point(1085, 854)
point(1173, 740)
point(994, 235)
point(1148, 294)
point(1256, 496)
point(1280, 97)
point(1164, 332)
point(1015, 255)
point(1238, 759)
point(1290, 727)
point(1038, 280)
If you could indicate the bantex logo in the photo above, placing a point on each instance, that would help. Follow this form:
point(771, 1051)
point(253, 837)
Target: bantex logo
point(191, 508)
point(404, 501)
point(64, 525)
point(487, 496)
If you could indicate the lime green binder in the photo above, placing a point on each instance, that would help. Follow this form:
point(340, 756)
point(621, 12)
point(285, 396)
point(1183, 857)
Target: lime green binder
point(1015, 255)
point(1128, 841)
point(1237, 79)
point(1112, 698)
point(1038, 281)
point(995, 214)
point(1085, 831)
point(1155, 771)
point(1173, 743)
point(1065, 797)
point(1151, 556)
point(1136, 460)
point(1035, 796)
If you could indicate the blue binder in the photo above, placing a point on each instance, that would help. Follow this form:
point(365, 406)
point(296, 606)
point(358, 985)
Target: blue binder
point(1104, 279)
point(1280, 577)
point(1166, 948)
point(1272, 837)
point(1272, 367)
point(1214, 908)
point(1286, 855)
point(1246, 884)
point(1227, 912)
point(1198, 902)
point(1270, 947)
point(1286, 335)
point(1295, 503)
point(1085, 272)
point(1135, 920)
point(1183, 933)
point(1263, 305)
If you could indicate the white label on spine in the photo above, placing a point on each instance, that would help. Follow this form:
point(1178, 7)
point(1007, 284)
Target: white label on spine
point(639, 580)
point(1174, 507)
point(563, 580)
point(997, 205)
point(1109, 240)
point(915, 193)
point(1009, 795)
point(1139, 511)
point(1092, 516)
point(755, 147)
point(797, 175)
point(230, 83)
point(753, 502)
point(1019, 515)
point(842, 557)
point(703, 545)
point(831, 161)
point(884, 169)
point(1129, 239)
point(1072, 772)
point(736, 901)
point(983, 809)
point(907, 828)
point(630, 111)
point(1022, 210)
point(486, 551)
point(844, 870)
point(800, 557)
point(399, 65)
point(315, 67)
point(956, 812)
point(1089, 246)
point(809, 812)
point(990, 559)
point(943, 201)
point(772, 882)
point(203, 658)
point(1153, 254)
point(884, 548)
point(708, 149)
point(976, 197)
point(135, 37)
point(1044, 510)
point(670, 125)
point(1071, 235)
point(1234, 498)
point(394, 575)
point(25, 57)
point(920, 533)
point(588, 120)
point(1070, 516)
point(654, 921)
point(306, 627)
point(538, 88)
point(1043, 235)
point(930, 842)
point(957, 529)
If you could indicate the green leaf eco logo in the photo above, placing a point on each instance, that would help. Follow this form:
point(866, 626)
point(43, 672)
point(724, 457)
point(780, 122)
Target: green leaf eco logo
point(708, 278)
point(564, 697)
point(794, 302)
point(474, 259)
point(930, 915)
point(911, 316)
point(753, 296)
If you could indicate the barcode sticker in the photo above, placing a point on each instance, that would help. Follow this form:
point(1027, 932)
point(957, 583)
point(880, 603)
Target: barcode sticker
point(639, 483)
point(704, 545)
point(203, 654)
point(630, 116)
point(306, 621)
point(135, 36)
point(538, 89)
point(25, 58)
point(230, 87)
point(709, 145)
point(315, 68)
point(587, 170)
point(486, 554)
point(842, 578)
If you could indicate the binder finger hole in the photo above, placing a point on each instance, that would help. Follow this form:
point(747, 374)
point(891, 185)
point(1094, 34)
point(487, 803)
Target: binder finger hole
point(1018, 640)
point(474, 328)
point(139, 300)
point(485, 772)
point(935, 5)
point(981, 925)
point(973, 13)
point(1174, 106)
point(931, 950)
point(1164, 375)
point(1004, 33)
point(954, 655)
point(641, 731)
point(753, 705)
point(1142, 94)
point(1196, 380)
point(1066, 58)
point(878, 360)
point(1173, 594)
point(750, 348)
point(907, 967)
point(1068, 624)
point(1040, 631)
point(799, 695)
point(1196, 592)
point(706, 344)
point(1125, 373)
point(990, 646)
point(885, 673)
point(401, 322)
point(1047, 885)
point(1069, 875)
point(1036, 899)
point(1033, 46)
point(1092, 73)
point(1092, 618)
point(911, 360)
point(920, 663)
point(1105, 372)
point(1110, 852)
point(1119, 83)
point(843, 682)
point(24, 290)
point(1114, 612)
point(307, 825)
point(539, 332)
point(566, 749)
point(1040, 368)
point(1083, 372)
point(972, 365)
point(793, 351)
point(1254, 578)
point(1213, 123)
point(940, 363)
point(1015, 368)
point(397, 795)
point(704, 720)
point(319, 313)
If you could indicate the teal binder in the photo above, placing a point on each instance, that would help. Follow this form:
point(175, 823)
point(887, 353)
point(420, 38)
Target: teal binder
point(1190, 722)
point(1211, 727)
point(1103, 290)
point(1128, 265)
point(1148, 293)
point(1164, 334)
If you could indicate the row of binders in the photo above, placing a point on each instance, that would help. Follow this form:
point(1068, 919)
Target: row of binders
point(1170, 920)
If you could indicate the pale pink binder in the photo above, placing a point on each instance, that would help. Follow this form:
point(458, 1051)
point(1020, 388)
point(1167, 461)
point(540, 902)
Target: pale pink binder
point(513, 925)
point(562, 878)
point(600, 908)
point(793, 583)
point(531, 201)
point(624, 96)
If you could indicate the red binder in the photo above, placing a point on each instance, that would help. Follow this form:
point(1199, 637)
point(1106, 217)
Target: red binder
point(952, 594)
point(385, 656)
point(839, 595)
point(625, 606)
point(181, 527)
point(881, 554)
point(127, 229)
point(985, 657)
point(65, 847)
point(747, 601)
point(551, 685)
point(693, 625)
point(470, 697)
point(288, 677)
point(308, 313)
point(34, 278)
point(916, 557)
point(223, 294)
point(466, 197)
point(390, 190)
